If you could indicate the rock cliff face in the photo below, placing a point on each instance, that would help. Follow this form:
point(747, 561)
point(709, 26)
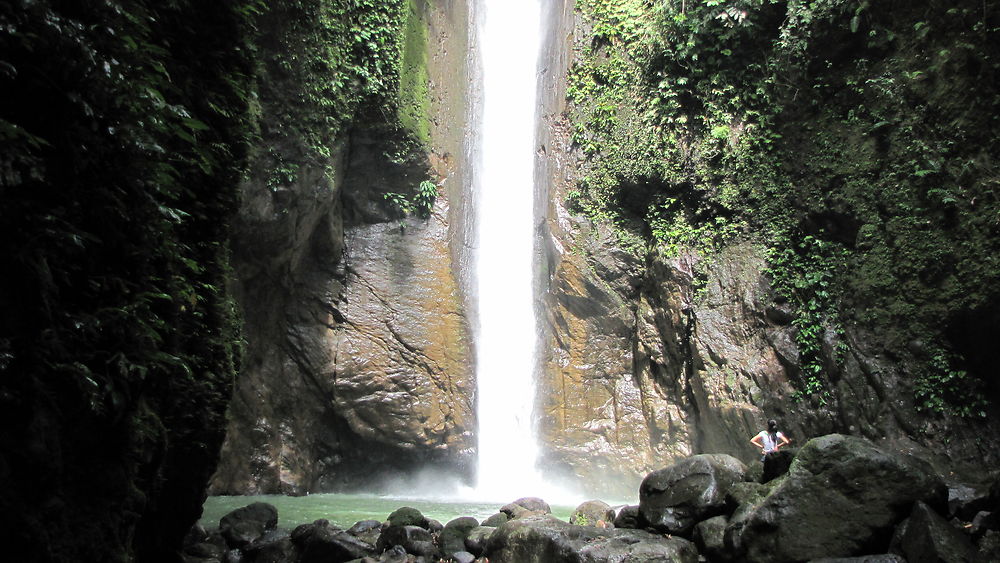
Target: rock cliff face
point(358, 364)
point(648, 358)
point(360, 360)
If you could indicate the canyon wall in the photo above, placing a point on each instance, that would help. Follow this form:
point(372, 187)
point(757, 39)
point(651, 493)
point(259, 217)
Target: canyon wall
point(713, 252)
point(669, 335)
point(358, 366)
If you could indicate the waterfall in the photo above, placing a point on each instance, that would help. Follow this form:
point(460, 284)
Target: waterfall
point(509, 43)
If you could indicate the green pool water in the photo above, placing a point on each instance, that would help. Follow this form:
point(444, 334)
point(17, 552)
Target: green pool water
point(343, 510)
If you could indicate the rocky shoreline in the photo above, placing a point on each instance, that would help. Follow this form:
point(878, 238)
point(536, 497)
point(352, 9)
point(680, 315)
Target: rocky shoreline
point(837, 498)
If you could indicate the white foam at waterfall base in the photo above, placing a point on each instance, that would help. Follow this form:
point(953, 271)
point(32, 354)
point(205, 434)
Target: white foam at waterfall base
point(509, 43)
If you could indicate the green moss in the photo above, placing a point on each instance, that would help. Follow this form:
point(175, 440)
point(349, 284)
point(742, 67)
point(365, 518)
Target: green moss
point(835, 134)
point(413, 94)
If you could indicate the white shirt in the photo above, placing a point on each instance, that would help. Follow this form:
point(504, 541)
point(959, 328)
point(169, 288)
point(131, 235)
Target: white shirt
point(769, 444)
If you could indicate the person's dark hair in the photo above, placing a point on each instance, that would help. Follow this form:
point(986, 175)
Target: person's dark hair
point(772, 426)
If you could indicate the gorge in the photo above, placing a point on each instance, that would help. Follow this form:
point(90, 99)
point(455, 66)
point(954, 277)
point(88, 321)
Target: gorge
point(242, 247)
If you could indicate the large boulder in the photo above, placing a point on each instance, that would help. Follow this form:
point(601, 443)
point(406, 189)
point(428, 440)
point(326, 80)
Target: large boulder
point(741, 500)
point(366, 530)
point(273, 547)
point(965, 501)
point(627, 517)
point(413, 539)
point(409, 528)
point(674, 499)
point(709, 536)
point(593, 513)
point(496, 520)
point(321, 542)
point(478, 539)
point(546, 539)
point(461, 557)
point(926, 537)
point(842, 497)
point(244, 525)
point(452, 537)
point(408, 516)
point(526, 505)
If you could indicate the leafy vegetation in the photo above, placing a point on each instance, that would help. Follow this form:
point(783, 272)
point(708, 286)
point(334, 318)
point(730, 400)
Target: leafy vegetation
point(322, 63)
point(329, 67)
point(124, 133)
point(126, 130)
point(851, 139)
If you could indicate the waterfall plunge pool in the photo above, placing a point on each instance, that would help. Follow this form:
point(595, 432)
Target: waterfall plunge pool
point(344, 510)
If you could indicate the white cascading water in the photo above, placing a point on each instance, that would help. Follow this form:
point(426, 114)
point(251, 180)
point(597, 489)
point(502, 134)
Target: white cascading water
point(509, 43)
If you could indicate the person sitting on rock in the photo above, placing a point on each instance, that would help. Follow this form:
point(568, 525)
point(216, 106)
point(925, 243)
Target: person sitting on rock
point(769, 440)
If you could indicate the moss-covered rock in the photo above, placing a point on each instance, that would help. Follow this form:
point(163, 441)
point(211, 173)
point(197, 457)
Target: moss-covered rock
point(843, 497)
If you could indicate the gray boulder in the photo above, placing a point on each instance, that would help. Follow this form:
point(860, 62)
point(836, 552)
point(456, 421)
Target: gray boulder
point(755, 471)
point(710, 537)
point(842, 497)
point(408, 516)
point(244, 525)
point(534, 504)
point(496, 520)
point(367, 531)
point(462, 557)
point(452, 537)
point(546, 539)
point(636, 546)
point(320, 542)
point(478, 538)
point(965, 501)
point(273, 547)
point(674, 499)
point(527, 506)
point(741, 500)
point(926, 537)
point(593, 513)
point(627, 517)
point(413, 539)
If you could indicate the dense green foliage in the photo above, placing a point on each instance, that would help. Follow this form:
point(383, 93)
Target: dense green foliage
point(126, 130)
point(321, 64)
point(328, 65)
point(852, 140)
point(123, 133)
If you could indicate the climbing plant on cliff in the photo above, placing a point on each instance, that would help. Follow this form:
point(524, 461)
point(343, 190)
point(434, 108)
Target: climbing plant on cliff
point(330, 65)
point(862, 129)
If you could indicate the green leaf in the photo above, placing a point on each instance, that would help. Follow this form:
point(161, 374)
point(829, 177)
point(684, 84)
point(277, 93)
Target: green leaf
point(195, 124)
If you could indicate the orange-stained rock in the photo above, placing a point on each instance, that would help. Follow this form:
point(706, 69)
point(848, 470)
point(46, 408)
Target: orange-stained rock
point(358, 362)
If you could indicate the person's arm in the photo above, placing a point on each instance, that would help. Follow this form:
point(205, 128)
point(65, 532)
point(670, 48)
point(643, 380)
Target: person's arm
point(784, 441)
point(757, 442)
